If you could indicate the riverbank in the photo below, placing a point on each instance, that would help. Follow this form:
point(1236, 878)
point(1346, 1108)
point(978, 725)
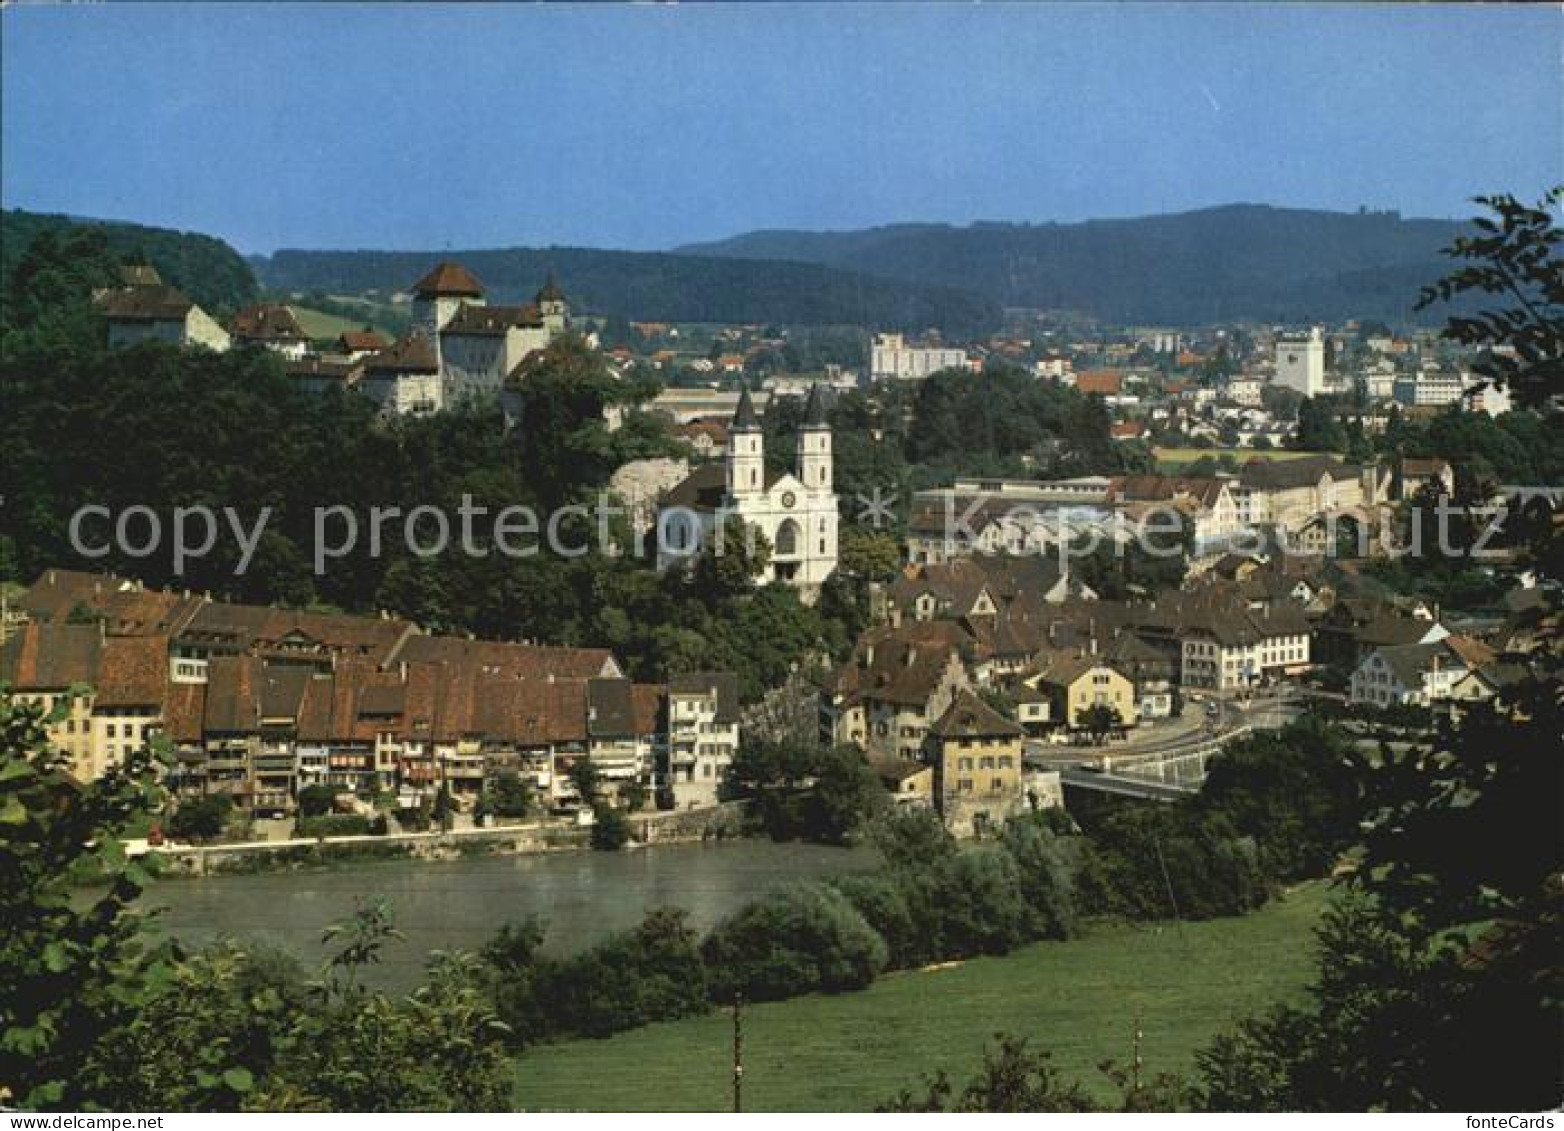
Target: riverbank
point(1080, 999)
point(458, 904)
point(691, 826)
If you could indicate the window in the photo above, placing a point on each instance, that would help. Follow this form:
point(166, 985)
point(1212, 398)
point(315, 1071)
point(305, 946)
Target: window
point(997, 785)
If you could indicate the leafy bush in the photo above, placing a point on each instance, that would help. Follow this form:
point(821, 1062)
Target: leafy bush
point(797, 940)
point(652, 973)
point(610, 828)
point(316, 800)
point(339, 824)
point(972, 904)
point(200, 818)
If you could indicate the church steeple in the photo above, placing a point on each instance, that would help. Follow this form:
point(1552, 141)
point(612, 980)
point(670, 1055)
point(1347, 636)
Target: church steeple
point(814, 443)
point(746, 450)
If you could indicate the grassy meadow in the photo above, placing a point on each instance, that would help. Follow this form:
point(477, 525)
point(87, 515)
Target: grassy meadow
point(1079, 999)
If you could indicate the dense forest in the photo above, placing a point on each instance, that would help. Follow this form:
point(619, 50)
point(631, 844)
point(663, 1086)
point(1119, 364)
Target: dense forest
point(651, 286)
point(205, 268)
point(1234, 263)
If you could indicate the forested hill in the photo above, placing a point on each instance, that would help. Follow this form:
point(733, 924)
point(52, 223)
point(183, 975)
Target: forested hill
point(1230, 263)
point(654, 286)
point(204, 267)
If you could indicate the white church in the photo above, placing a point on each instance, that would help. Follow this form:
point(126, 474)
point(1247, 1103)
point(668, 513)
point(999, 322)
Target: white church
point(796, 511)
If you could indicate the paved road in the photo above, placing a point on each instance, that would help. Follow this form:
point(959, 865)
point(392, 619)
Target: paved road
point(1266, 710)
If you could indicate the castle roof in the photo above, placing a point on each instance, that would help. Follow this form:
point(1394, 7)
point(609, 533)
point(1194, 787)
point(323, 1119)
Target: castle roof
point(449, 280)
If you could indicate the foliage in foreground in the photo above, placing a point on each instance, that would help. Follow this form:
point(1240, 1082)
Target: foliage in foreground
point(93, 1018)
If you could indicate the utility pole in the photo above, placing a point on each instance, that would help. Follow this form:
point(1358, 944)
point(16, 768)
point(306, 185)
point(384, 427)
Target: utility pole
point(738, 1053)
point(1136, 1060)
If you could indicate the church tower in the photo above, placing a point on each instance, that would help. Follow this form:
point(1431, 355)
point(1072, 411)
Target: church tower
point(551, 305)
point(814, 445)
point(746, 452)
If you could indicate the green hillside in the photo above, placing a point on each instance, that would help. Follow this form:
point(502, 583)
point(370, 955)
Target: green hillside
point(653, 286)
point(1233, 263)
point(205, 268)
point(1080, 999)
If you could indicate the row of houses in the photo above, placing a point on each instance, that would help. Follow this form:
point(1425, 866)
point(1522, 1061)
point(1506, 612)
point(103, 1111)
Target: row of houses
point(261, 702)
point(1001, 624)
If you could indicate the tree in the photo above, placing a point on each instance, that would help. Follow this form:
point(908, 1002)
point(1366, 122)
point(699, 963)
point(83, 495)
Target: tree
point(1099, 721)
point(728, 566)
point(798, 939)
point(610, 828)
point(587, 781)
point(317, 800)
point(1519, 255)
point(871, 556)
point(73, 965)
point(506, 795)
point(1011, 1078)
point(200, 818)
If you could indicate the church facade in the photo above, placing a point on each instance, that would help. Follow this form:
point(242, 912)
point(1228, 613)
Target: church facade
point(796, 511)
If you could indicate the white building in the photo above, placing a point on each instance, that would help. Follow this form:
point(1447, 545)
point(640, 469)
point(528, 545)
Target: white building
point(272, 326)
point(703, 735)
point(1436, 388)
point(1411, 674)
point(1300, 361)
point(405, 378)
point(795, 511)
point(146, 309)
point(1246, 391)
point(892, 359)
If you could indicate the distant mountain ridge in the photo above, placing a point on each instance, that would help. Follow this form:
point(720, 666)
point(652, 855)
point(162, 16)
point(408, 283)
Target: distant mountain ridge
point(654, 286)
point(1229, 263)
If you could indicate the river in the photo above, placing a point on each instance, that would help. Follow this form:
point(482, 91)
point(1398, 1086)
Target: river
point(458, 904)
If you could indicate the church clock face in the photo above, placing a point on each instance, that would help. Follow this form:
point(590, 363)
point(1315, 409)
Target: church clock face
point(788, 499)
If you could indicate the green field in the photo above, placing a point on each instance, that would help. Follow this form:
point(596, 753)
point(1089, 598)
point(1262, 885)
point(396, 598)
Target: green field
point(318, 324)
point(1171, 459)
point(1079, 999)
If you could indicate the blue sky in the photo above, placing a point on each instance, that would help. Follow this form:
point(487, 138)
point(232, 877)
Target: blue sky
point(644, 127)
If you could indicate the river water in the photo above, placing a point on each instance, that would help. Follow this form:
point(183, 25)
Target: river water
point(459, 904)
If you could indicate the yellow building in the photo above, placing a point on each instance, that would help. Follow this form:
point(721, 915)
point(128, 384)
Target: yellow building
point(976, 755)
point(1074, 684)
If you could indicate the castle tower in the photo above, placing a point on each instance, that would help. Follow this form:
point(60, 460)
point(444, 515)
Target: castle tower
point(814, 444)
point(746, 451)
point(439, 295)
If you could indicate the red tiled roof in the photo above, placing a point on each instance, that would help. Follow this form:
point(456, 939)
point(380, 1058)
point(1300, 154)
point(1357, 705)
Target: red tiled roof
point(1105, 382)
point(412, 354)
point(360, 341)
point(268, 322)
point(132, 672)
point(475, 319)
point(449, 280)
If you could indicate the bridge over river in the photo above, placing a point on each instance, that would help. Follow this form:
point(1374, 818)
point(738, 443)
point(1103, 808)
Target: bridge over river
point(1172, 769)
